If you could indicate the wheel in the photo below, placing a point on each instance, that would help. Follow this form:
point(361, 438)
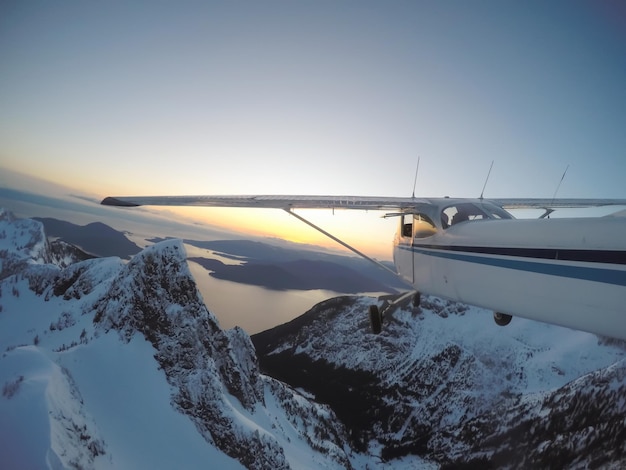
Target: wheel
point(376, 319)
point(417, 298)
point(502, 319)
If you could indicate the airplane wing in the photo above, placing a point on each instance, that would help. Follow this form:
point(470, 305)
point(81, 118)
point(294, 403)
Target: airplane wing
point(269, 202)
point(341, 202)
point(520, 203)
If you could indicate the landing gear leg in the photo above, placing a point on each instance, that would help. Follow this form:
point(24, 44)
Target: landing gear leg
point(376, 319)
point(376, 314)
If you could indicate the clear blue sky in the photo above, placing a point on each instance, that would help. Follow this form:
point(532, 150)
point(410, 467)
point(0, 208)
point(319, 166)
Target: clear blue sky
point(316, 97)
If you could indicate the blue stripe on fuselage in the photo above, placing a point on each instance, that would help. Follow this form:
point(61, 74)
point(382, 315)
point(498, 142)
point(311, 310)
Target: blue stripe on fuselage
point(587, 273)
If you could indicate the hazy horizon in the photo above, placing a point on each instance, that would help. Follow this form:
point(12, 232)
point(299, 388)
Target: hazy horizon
point(58, 201)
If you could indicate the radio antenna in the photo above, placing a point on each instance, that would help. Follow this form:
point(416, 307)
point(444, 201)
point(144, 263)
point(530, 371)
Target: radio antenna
point(559, 185)
point(486, 179)
point(415, 179)
point(550, 210)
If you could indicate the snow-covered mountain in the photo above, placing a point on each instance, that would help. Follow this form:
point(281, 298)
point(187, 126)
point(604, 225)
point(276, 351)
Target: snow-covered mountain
point(445, 383)
point(113, 364)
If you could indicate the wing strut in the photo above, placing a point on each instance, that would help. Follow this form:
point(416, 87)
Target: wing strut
point(341, 242)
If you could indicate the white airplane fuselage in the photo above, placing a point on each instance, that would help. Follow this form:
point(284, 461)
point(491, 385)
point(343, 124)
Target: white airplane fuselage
point(569, 272)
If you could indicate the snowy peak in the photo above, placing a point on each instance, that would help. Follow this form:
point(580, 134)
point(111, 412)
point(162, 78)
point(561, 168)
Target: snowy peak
point(155, 294)
point(22, 242)
point(214, 374)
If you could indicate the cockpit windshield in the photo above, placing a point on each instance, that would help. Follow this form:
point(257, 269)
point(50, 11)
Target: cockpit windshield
point(494, 211)
point(468, 211)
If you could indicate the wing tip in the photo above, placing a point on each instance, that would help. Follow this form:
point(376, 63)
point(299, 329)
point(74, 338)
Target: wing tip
point(112, 201)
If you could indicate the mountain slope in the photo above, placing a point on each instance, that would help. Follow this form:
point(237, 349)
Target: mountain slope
point(580, 425)
point(439, 381)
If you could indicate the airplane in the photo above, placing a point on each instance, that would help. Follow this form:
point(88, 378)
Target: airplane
point(564, 271)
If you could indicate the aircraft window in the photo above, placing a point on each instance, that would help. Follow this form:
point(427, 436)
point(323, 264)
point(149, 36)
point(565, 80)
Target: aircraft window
point(423, 226)
point(461, 213)
point(407, 226)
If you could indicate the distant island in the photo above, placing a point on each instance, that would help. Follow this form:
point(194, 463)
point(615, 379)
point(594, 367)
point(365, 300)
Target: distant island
point(300, 275)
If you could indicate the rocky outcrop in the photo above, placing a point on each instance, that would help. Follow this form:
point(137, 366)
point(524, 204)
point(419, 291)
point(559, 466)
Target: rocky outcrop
point(22, 242)
point(212, 372)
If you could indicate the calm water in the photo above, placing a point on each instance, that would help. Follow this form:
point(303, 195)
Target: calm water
point(253, 308)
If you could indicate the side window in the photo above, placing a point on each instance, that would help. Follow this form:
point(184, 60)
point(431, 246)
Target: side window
point(423, 226)
point(446, 216)
point(407, 226)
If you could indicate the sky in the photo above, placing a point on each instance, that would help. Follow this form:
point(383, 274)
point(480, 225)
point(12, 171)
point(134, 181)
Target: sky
point(325, 97)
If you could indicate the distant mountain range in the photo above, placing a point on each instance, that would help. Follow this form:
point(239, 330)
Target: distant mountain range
point(262, 264)
point(95, 238)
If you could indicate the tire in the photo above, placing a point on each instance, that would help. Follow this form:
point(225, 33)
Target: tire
point(417, 298)
point(376, 320)
point(502, 319)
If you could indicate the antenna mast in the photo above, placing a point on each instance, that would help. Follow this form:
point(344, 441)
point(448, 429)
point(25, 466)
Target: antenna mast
point(550, 210)
point(487, 179)
point(559, 185)
point(415, 179)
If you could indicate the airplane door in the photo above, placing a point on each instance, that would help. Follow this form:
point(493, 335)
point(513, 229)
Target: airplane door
point(416, 231)
point(422, 265)
point(403, 252)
